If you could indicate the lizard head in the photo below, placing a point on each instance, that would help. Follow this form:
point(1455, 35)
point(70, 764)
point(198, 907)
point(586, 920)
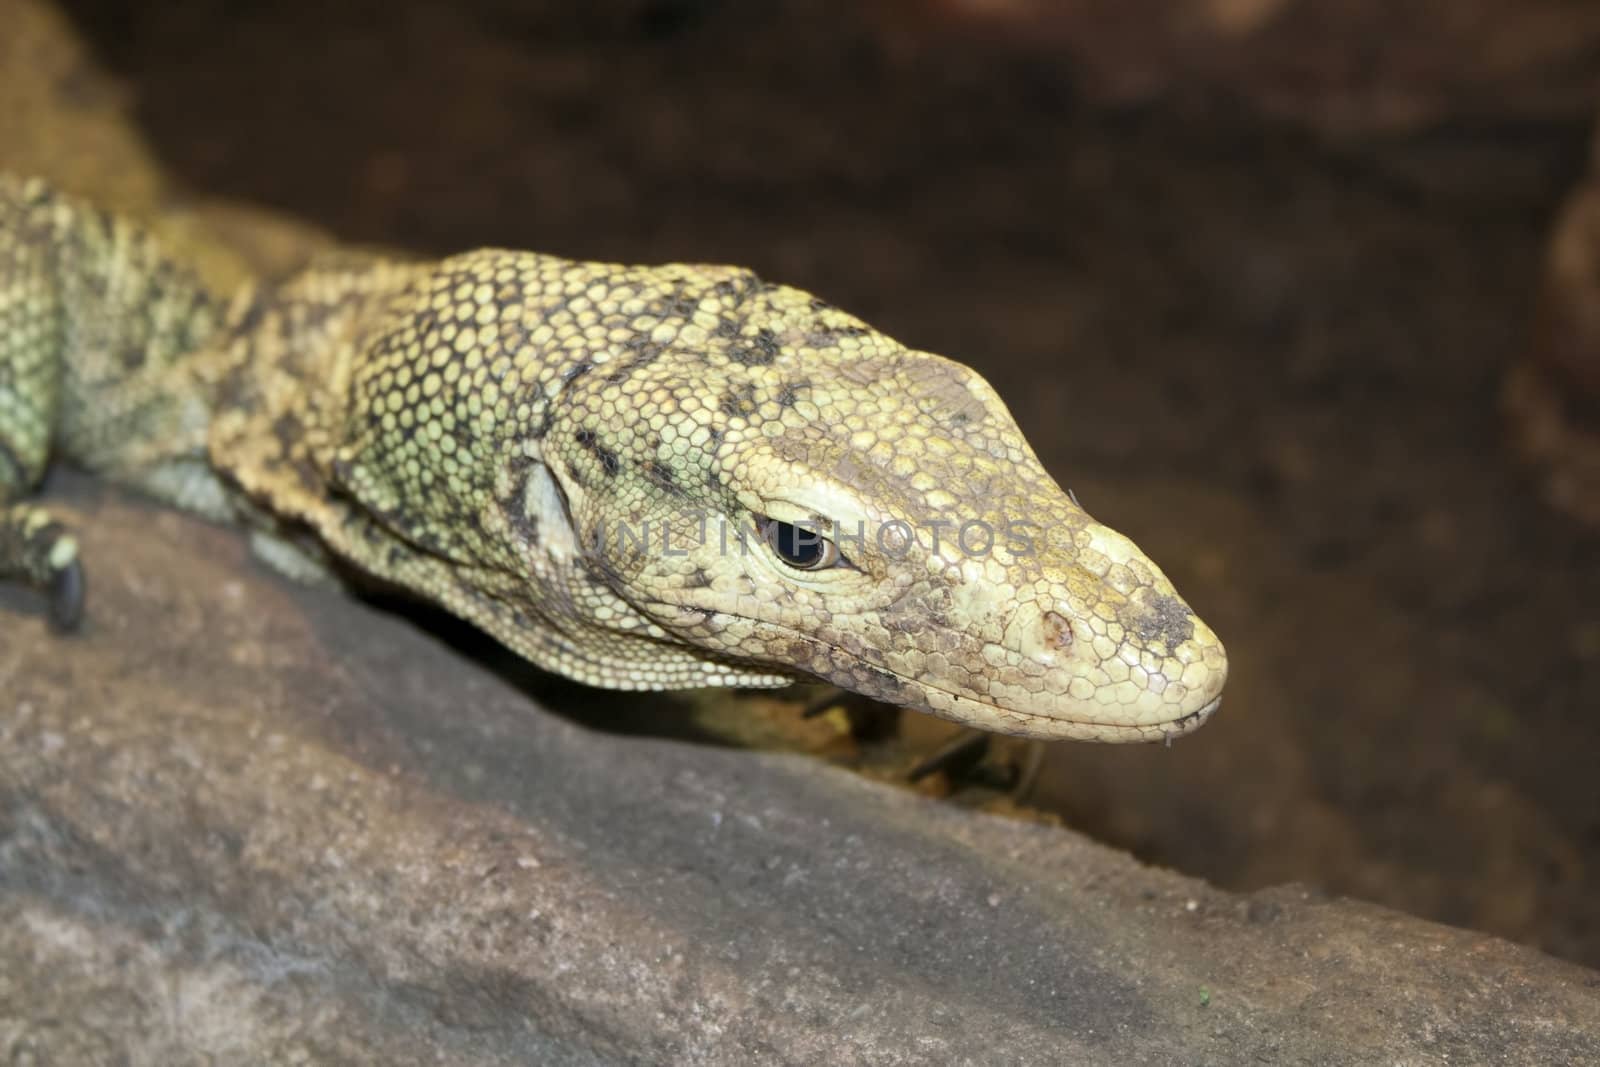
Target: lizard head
point(815, 497)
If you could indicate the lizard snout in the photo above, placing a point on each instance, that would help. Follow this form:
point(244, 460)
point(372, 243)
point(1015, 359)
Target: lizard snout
point(1112, 663)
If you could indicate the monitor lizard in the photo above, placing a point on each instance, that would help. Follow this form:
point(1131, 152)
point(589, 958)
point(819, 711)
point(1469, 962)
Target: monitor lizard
point(638, 477)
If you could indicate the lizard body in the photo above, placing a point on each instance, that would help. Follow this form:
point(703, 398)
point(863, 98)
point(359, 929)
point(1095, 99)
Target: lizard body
point(639, 477)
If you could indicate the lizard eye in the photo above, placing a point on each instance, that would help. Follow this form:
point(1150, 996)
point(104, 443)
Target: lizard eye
point(800, 547)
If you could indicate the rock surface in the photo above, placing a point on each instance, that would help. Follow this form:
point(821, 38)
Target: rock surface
point(259, 823)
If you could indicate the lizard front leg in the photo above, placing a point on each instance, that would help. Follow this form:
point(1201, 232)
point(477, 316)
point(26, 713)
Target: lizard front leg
point(98, 330)
point(33, 547)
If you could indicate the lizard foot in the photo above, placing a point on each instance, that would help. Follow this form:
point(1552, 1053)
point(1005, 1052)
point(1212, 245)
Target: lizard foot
point(870, 720)
point(41, 552)
point(970, 758)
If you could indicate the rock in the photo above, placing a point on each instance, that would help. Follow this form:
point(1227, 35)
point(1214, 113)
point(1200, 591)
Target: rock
point(258, 823)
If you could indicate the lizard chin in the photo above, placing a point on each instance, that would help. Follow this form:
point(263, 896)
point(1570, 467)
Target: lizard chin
point(921, 695)
point(1058, 720)
point(991, 717)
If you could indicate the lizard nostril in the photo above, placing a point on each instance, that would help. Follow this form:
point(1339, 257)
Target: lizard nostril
point(1057, 631)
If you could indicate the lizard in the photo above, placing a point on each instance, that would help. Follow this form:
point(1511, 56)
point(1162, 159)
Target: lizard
point(639, 477)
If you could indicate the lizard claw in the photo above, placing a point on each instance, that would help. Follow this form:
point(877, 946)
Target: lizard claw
point(958, 757)
point(971, 758)
point(66, 597)
point(42, 552)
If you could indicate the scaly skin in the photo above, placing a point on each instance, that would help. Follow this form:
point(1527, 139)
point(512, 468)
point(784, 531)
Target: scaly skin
point(582, 459)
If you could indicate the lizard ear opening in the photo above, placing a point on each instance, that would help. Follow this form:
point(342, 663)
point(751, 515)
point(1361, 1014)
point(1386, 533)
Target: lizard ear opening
point(545, 506)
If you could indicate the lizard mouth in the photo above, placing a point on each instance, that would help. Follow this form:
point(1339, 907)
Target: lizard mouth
point(984, 715)
point(970, 711)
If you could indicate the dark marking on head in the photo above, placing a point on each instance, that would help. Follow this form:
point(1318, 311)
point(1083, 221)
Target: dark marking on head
point(680, 305)
point(608, 459)
point(739, 401)
point(698, 580)
point(576, 371)
point(826, 334)
point(661, 476)
point(789, 393)
point(760, 352)
point(1057, 630)
point(1163, 619)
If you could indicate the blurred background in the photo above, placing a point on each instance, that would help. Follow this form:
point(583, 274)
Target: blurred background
point(1297, 293)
